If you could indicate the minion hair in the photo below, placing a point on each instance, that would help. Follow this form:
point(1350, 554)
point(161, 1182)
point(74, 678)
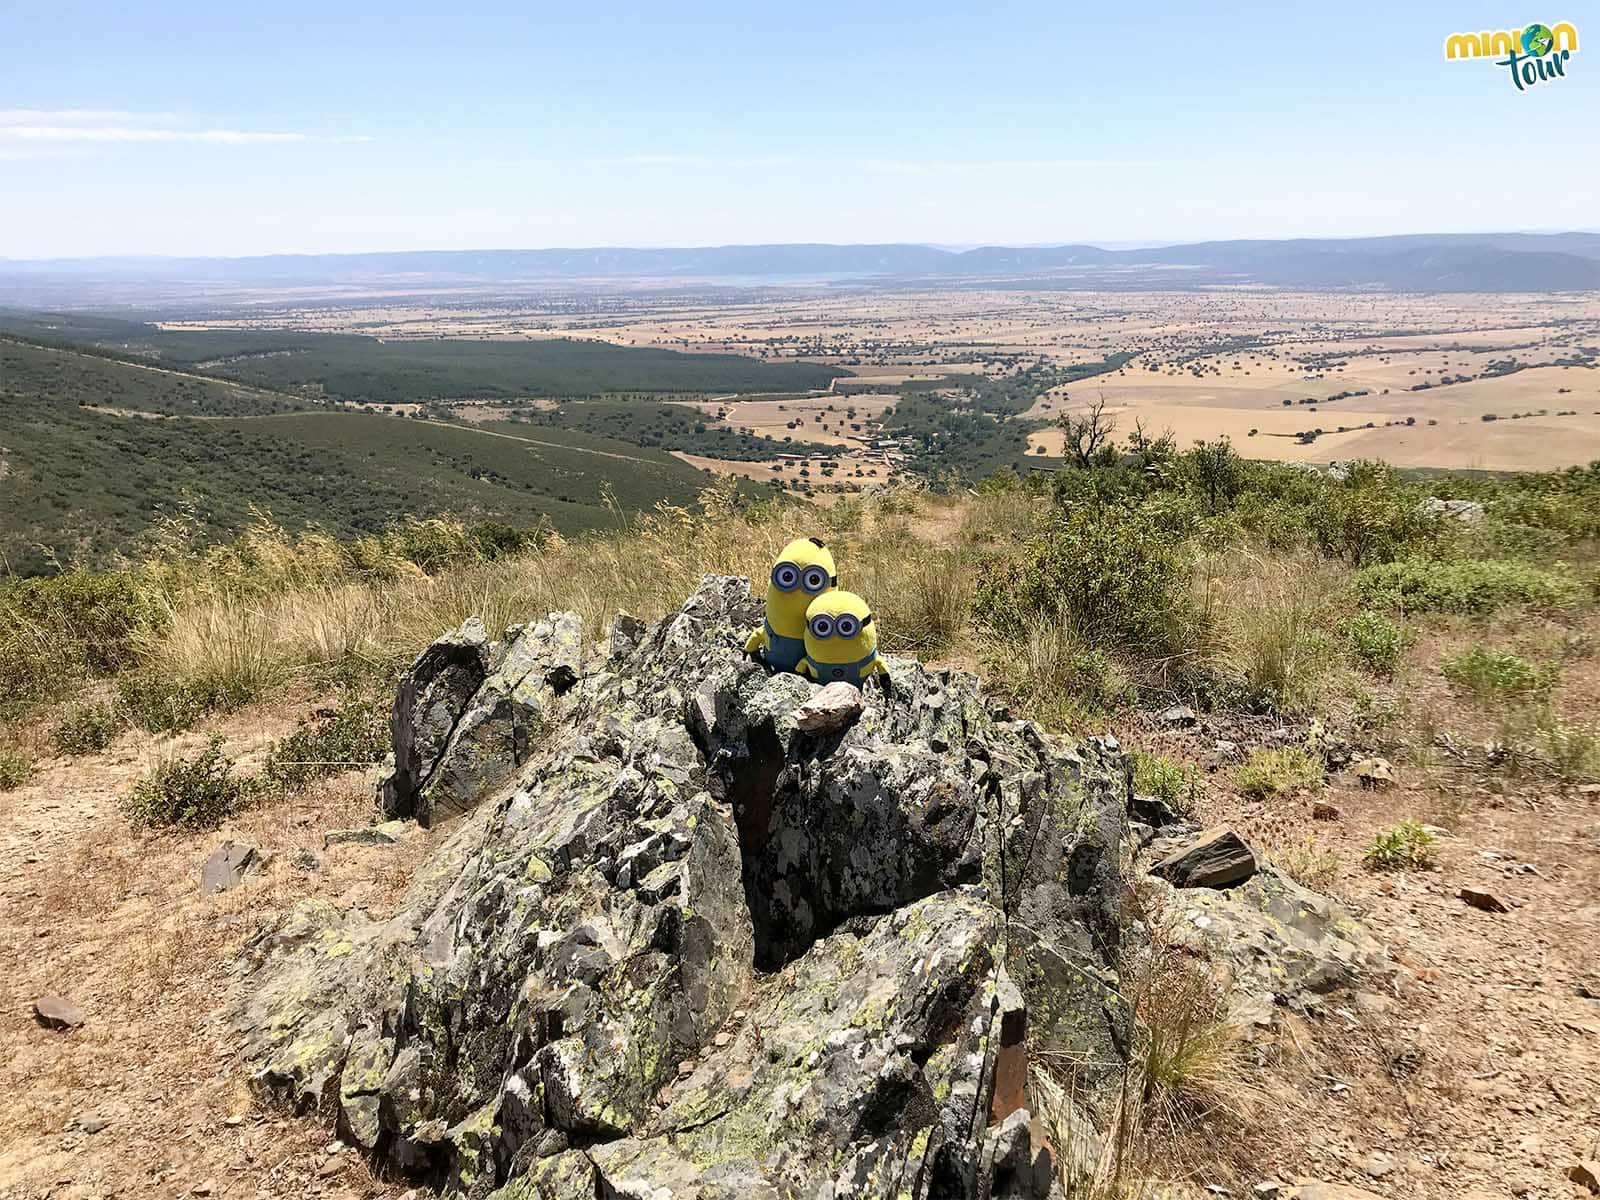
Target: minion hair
point(818, 542)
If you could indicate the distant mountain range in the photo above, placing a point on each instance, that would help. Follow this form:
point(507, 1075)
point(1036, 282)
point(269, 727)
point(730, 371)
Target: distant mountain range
point(1488, 262)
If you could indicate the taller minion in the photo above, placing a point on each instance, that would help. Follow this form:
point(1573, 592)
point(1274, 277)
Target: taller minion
point(804, 570)
point(841, 640)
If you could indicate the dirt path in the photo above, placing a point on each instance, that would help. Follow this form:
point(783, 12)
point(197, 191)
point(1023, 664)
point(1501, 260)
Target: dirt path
point(1474, 1072)
point(1480, 1074)
point(146, 1098)
point(1473, 1075)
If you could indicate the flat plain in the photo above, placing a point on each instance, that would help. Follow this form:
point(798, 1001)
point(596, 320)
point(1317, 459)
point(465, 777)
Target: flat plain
point(1500, 382)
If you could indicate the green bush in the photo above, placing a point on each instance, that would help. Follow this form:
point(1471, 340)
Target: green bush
point(1109, 571)
point(1375, 641)
point(1471, 586)
point(164, 705)
point(1406, 846)
point(1369, 517)
point(1268, 773)
point(87, 729)
point(1498, 674)
point(1173, 782)
point(355, 735)
point(1574, 750)
point(1281, 524)
point(16, 767)
point(196, 793)
point(92, 616)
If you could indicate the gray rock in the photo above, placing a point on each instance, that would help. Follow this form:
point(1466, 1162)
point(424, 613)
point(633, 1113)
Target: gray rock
point(1179, 715)
point(683, 947)
point(1217, 858)
point(1276, 943)
point(829, 709)
point(430, 700)
point(627, 632)
point(386, 833)
point(305, 860)
point(227, 867)
point(1374, 774)
point(1484, 900)
point(1020, 1158)
point(467, 713)
point(1467, 511)
point(91, 1124)
point(54, 1012)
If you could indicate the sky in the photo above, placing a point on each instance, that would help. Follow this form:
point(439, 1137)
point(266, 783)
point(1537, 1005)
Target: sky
point(180, 128)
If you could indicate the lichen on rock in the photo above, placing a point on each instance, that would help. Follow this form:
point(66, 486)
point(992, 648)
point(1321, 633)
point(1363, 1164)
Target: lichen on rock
point(677, 945)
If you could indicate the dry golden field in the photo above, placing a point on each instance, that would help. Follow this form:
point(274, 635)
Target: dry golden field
point(1408, 378)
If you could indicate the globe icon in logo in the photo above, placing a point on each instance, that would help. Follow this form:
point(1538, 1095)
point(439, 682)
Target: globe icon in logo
point(1537, 40)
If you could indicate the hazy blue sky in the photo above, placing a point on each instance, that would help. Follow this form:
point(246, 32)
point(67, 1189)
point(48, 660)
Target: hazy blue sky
point(218, 128)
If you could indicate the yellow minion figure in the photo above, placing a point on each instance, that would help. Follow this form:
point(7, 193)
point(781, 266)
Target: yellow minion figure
point(841, 640)
point(803, 572)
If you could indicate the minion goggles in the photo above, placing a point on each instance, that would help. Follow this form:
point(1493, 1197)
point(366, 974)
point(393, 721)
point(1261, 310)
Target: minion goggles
point(814, 580)
point(844, 625)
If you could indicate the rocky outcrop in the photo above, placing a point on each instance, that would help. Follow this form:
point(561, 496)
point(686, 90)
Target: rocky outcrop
point(1216, 858)
point(468, 709)
point(1275, 943)
point(686, 941)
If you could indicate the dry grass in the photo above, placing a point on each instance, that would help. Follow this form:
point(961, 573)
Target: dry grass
point(1273, 615)
point(115, 922)
point(1187, 1095)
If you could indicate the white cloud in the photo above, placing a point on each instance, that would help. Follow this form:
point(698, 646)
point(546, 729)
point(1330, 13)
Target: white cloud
point(35, 127)
point(944, 166)
point(70, 116)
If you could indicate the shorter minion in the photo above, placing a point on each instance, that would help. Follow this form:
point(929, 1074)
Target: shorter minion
point(841, 640)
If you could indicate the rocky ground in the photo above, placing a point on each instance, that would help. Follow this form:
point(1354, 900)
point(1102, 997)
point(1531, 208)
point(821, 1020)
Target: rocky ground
point(1439, 1049)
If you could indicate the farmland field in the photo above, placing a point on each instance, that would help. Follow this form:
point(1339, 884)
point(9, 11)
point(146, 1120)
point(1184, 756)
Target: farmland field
point(546, 414)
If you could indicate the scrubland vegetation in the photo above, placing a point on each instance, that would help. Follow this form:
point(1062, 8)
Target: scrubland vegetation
point(1086, 598)
point(1155, 576)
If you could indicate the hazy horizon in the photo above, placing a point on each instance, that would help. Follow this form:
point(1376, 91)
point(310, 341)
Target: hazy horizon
point(957, 248)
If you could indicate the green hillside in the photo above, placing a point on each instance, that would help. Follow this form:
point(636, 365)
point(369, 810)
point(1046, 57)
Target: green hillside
point(353, 367)
point(78, 376)
point(77, 484)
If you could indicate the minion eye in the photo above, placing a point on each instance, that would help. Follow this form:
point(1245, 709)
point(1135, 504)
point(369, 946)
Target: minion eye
point(847, 626)
point(814, 580)
point(786, 577)
point(822, 626)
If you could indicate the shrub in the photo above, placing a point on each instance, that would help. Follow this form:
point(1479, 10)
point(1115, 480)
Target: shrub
point(1281, 524)
point(1173, 782)
point(1375, 641)
point(1497, 674)
point(1188, 1050)
point(1268, 773)
point(1308, 864)
point(163, 705)
point(1369, 517)
point(1056, 679)
point(1274, 631)
point(1406, 846)
point(92, 616)
point(87, 729)
point(1574, 750)
point(1216, 471)
point(355, 735)
point(196, 793)
point(16, 767)
point(1108, 570)
point(1470, 586)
